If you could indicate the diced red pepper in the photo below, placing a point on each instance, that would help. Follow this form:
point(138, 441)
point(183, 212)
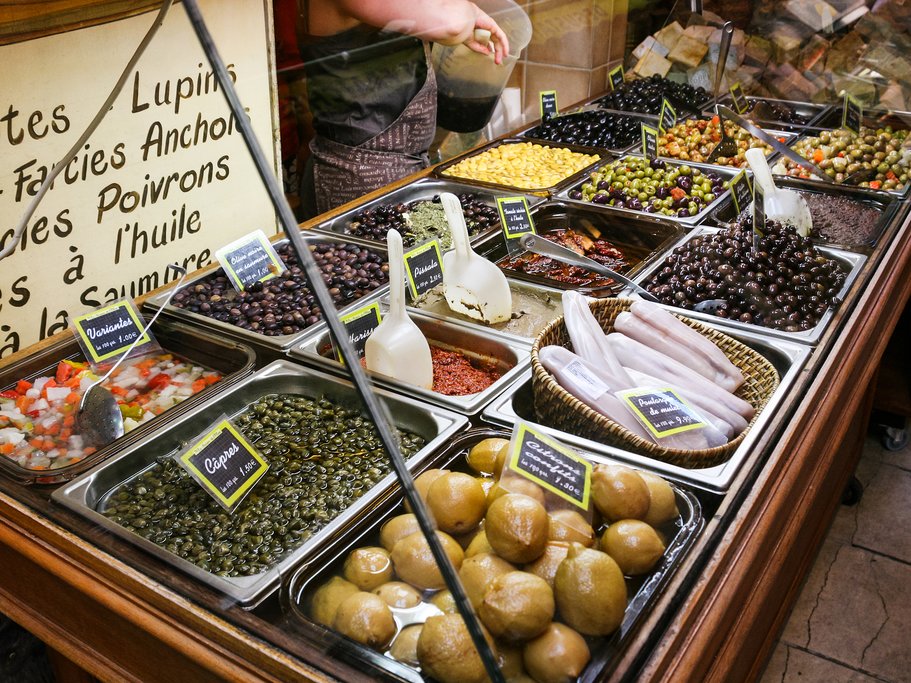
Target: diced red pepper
point(891, 175)
point(73, 398)
point(159, 381)
point(876, 184)
point(64, 372)
point(22, 386)
point(9, 393)
point(33, 413)
point(677, 193)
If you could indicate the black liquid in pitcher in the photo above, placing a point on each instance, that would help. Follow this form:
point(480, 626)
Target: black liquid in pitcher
point(464, 114)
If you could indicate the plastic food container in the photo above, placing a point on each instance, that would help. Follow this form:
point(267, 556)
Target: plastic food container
point(605, 651)
point(232, 359)
point(89, 494)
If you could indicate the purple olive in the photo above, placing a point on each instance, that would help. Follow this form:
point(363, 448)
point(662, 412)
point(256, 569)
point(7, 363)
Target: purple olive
point(603, 185)
point(575, 194)
point(620, 204)
point(683, 213)
point(657, 163)
point(685, 183)
point(600, 198)
point(617, 193)
point(662, 192)
point(634, 203)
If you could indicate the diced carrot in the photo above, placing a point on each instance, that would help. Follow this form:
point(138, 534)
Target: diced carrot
point(198, 385)
point(818, 156)
point(49, 444)
point(39, 467)
point(65, 433)
point(7, 448)
point(876, 184)
point(73, 397)
point(69, 420)
point(35, 443)
point(212, 379)
point(73, 382)
point(715, 120)
point(891, 175)
point(89, 450)
point(22, 403)
point(23, 385)
point(119, 391)
point(38, 430)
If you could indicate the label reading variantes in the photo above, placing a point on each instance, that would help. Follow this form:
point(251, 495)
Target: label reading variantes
point(424, 267)
point(548, 104)
point(107, 332)
point(852, 113)
point(668, 117)
point(741, 191)
point(224, 463)
point(661, 411)
point(249, 260)
point(550, 465)
point(515, 219)
point(615, 77)
point(739, 98)
point(359, 325)
point(649, 141)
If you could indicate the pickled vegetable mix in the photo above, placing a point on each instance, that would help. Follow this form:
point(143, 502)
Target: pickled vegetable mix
point(38, 418)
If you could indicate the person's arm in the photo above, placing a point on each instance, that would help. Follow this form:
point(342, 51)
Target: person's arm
point(449, 22)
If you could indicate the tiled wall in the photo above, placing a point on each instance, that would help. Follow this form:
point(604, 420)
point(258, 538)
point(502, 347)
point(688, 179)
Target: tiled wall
point(574, 44)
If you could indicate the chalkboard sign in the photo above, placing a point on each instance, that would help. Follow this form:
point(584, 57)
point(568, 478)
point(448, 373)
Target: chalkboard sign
point(668, 117)
point(852, 114)
point(649, 142)
point(661, 411)
point(615, 77)
point(359, 325)
point(548, 104)
point(741, 191)
point(739, 98)
point(249, 260)
point(107, 332)
point(550, 465)
point(424, 267)
point(224, 463)
point(515, 219)
point(759, 215)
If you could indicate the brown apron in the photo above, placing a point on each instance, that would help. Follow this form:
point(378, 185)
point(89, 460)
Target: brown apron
point(342, 172)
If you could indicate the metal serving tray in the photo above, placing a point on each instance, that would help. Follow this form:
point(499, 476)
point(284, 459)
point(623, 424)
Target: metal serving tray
point(87, 494)
point(725, 172)
point(850, 260)
point(648, 119)
point(883, 202)
point(234, 360)
point(788, 359)
point(440, 170)
point(510, 357)
point(275, 344)
point(426, 189)
point(810, 111)
point(643, 591)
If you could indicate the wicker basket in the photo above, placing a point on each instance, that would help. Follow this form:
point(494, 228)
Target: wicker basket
point(556, 407)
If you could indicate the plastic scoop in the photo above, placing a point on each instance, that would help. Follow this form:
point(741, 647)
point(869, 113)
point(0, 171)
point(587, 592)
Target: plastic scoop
point(473, 285)
point(784, 206)
point(397, 348)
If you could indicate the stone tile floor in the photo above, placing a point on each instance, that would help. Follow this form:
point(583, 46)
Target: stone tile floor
point(852, 621)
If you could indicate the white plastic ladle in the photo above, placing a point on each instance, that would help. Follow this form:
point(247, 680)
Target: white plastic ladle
point(784, 206)
point(397, 348)
point(473, 285)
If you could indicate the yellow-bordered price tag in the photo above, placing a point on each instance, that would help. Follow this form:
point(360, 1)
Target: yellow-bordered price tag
point(649, 141)
point(551, 465)
point(615, 77)
point(109, 331)
point(741, 191)
point(424, 267)
point(739, 98)
point(548, 100)
point(852, 113)
point(249, 260)
point(224, 463)
point(667, 119)
point(661, 411)
point(359, 325)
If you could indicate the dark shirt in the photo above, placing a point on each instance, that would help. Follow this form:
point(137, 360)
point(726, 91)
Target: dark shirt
point(360, 80)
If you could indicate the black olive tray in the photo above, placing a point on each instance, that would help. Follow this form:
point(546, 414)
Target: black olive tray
point(88, 494)
point(648, 119)
point(643, 591)
point(234, 360)
point(811, 112)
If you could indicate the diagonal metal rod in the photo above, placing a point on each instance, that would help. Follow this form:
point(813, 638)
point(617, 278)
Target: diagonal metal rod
point(377, 410)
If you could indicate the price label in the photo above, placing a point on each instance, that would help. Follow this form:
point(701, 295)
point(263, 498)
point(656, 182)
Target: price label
point(661, 411)
point(741, 191)
point(424, 267)
point(852, 113)
point(224, 463)
point(668, 117)
point(359, 325)
point(739, 98)
point(249, 260)
point(759, 215)
point(649, 141)
point(515, 219)
point(109, 331)
point(550, 465)
point(615, 77)
point(548, 104)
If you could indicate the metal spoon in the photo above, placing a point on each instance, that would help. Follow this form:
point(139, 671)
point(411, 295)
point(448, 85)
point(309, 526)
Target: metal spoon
point(727, 33)
point(99, 420)
point(539, 245)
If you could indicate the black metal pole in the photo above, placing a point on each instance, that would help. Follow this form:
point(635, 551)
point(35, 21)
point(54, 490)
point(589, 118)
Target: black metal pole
point(375, 407)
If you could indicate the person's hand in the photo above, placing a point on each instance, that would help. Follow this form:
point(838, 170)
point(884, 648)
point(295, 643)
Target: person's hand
point(498, 44)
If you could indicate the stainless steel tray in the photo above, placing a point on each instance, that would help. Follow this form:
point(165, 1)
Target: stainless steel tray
point(885, 203)
point(86, 494)
point(426, 189)
point(510, 357)
point(526, 133)
point(725, 172)
point(276, 343)
point(851, 260)
point(440, 170)
point(642, 591)
point(233, 359)
point(788, 359)
point(810, 111)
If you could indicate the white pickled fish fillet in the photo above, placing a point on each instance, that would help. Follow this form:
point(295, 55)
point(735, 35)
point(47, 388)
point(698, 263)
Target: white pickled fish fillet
point(691, 341)
point(588, 339)
point(723, 418)
point(591, 385)
point(645, 359)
